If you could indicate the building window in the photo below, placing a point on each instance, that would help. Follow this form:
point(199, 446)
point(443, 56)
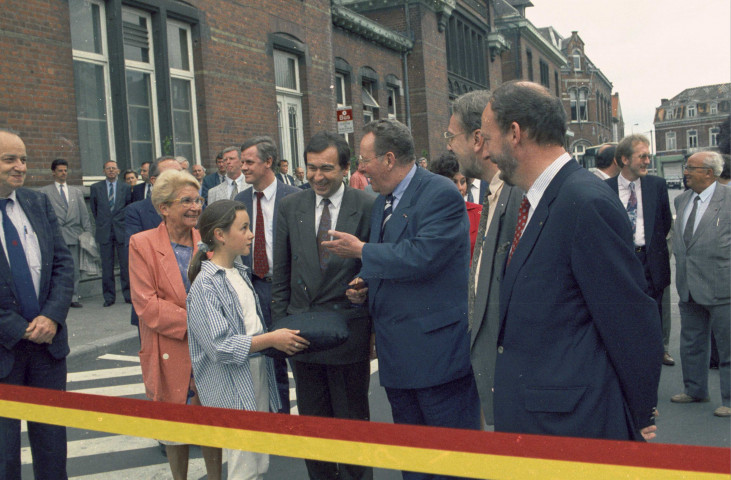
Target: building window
point(691, 111)
point(543, 66)
point(692, 139)
point(583, 113)
point(289, 107)
point(578, 105)
point(669, 114)
point(579, 150)
point(370, 105)
point(466, 64)
point(392, 102)
point(92, 85)
point(556, 84)
point(340, 94)
point(577, 60)
point(670, 143)
point(713, 136)
point(182, 85)
point(714, 108)
point(529, 61)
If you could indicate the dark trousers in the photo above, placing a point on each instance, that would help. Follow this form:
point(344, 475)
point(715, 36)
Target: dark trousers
point(653, 291)
point(263, 290)
point(454, 404)
point(107, 252)
point(34, 367)
point(335, 391)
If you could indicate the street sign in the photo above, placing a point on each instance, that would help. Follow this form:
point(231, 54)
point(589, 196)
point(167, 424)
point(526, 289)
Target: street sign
point(345, 120)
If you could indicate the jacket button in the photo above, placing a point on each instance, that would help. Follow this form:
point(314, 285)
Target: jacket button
point(165, 356)
point(500, 349)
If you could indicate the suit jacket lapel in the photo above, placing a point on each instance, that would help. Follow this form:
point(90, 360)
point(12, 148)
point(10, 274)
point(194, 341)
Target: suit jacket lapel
point(714, 205)
point(347, 221)
point(56, 198)
point(649, 205)
point(32, 211)
point(400, 218)
point(170, 264)
point(306, 236)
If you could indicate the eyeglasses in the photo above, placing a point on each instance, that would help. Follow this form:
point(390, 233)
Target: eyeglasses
point(448, 136)
point(644, 156)
point(363, 160)
point(188, 202)
point(690, 167)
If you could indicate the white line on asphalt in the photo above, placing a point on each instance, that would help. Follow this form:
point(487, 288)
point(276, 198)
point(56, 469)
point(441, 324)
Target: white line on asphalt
point(123, 358)
point(196, 469)
point(102, 374)
point(98, 446)
point(116, 390)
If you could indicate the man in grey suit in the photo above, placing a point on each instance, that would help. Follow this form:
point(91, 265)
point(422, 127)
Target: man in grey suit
point(497, 226)
point(262, 200)
point(331, 383)
point(701, 242)
point(73, 217)
point(234, 183)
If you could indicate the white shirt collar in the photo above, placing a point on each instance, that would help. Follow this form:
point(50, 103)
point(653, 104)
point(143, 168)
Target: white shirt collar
point(270, 191)
point(335, 199)
point(536, 191)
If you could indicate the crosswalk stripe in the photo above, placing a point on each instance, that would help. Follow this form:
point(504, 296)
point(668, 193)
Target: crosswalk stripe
point(116, 390)
point(104, 373)
point(196, 469)
point(123, 358)
point(99, 446)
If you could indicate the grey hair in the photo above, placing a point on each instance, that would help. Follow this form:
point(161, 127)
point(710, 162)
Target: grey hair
point(230, 149)
point(713, 160)
point(469, 107)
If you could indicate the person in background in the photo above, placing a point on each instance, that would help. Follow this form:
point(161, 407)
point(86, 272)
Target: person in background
point(283, 175)
point(184, 163)
point(606, 165)
point(130, 177)
point(199, 172)
point(159, 260)
point(142, 190)
point(213, 179)
point(446, 165)
point(226, 330)
point(299, 176)
point(358, 179)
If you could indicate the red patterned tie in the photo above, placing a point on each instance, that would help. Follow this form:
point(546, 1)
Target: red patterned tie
point(522, 220)
point(261, 264)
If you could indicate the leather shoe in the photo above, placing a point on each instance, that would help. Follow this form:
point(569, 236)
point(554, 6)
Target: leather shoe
point(76, 305)
point(108, 303)
point(685, 398)
point(667, 359)
point(722, 411)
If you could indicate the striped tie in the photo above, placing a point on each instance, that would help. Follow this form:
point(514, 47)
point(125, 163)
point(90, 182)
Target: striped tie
point(387, 212)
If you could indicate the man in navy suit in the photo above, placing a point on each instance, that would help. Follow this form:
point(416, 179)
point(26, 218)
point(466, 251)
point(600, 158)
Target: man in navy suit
point(36, 284)
point(142, 191)
point(108, 200)
point(579, 343)
point(283, 175)
point(645, 197)
point(259, 154)
point(414, 274)
point(214, 179)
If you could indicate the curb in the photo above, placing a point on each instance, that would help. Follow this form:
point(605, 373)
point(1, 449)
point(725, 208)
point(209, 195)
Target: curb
point(89, 352)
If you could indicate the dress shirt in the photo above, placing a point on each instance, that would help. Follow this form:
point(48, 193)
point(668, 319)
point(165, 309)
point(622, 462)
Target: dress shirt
point(240, 184)
point(536, 191)
point(624, 192)
point(474, 187)
point(28, 238)
point(705, 196)
point(335, 200)
point(496, 188)
point(114, 186)
point(398, 192)
point(267, 210)
point(65, 189)
point(601, 174)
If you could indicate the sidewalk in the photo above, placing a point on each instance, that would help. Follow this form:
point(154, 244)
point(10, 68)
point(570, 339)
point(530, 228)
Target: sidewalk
point(95, 330)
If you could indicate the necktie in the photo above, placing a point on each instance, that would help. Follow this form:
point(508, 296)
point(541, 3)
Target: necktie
point(322, 234)
point(522, 220)
point(690, 224)
point(261, 264)
point(632, 208)
point(147, 191)
point(470, 197)
point(235, 190)
point(387, 212)
point(63, 195)
point(481, 231)
point(111, 196)
point(22, 278)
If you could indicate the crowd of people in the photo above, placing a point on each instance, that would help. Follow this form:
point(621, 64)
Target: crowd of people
point(472, 278)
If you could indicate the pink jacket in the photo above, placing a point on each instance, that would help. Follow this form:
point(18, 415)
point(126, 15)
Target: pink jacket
point(158, 296)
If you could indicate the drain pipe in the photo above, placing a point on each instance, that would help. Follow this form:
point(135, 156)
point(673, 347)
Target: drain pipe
point(405, 62)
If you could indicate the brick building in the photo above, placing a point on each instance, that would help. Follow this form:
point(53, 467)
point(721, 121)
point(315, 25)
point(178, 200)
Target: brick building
point(688, 123)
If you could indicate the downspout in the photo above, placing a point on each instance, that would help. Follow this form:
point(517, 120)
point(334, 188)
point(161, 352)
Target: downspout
point(405, 62)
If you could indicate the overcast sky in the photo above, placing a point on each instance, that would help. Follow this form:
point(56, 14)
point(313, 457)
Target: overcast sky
point(648, 49)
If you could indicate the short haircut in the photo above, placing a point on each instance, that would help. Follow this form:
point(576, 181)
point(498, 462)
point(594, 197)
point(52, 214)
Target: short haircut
point(57, 162)
point(321, 141)
point(726, 173)
point(265, 148)
point(605, 157)
point(539, 113)
point(155, 168)
point(626, 146)
point(127, 172)
point(392, 136)
point(145, 162)
point(468, 109)
point(230, 149)
point(283, 161)
point(714, 161)
point(219, 155)
point(169, 183)
point(445, 165)
point(198, 165)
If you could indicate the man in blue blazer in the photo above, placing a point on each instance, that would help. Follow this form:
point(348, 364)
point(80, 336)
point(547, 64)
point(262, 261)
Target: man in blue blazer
point(579, 344)
point(415, 269)
point(36, 284)
point(108, 200)
point(214, 179)
point(141, 190)
point(259, 154)
point(283, 175)
point(649, 209)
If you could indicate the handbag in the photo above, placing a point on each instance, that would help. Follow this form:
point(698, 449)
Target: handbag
point(324, 330)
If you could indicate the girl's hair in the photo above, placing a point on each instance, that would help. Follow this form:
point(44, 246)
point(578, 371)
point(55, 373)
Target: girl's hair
point(220, 214)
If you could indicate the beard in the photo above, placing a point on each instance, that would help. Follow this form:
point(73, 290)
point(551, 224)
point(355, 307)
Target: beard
point(507, 165)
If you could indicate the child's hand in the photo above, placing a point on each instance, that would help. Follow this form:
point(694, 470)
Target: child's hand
point(288, 341)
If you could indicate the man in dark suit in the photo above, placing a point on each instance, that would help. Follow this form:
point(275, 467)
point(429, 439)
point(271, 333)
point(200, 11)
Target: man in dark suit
point(331, 383)
point(215, 178)
point(645, 198)
point(701, 242)
point(72, 214)
point(36, 284)
point(415, 269)
point(579, 345)
point(142, 190)
point(262, 200)
point(108, 200)
point(283, 175)
point(497, 225)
